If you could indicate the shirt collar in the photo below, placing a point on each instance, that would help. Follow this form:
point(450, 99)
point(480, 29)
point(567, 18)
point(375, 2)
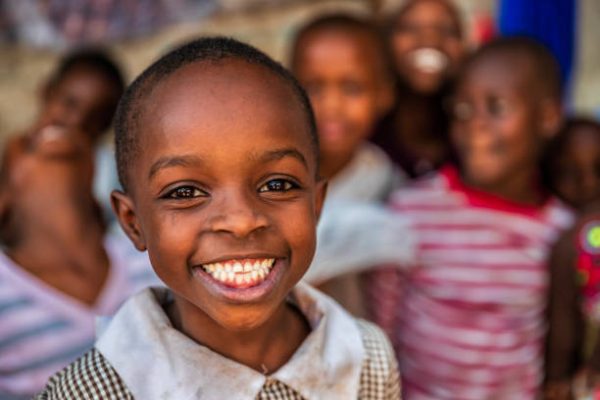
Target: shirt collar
point(168, 364)
point(479, 198)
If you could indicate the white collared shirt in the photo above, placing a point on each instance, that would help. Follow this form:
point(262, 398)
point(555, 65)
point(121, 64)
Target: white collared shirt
point(156, 361)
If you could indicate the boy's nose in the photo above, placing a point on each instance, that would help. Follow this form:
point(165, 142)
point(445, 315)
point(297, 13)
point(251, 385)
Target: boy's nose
point(238, 216)
point(430, 36)
point(331, 101)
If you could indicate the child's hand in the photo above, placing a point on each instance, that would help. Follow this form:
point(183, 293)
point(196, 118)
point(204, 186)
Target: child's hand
point(58, 142)
point(42, 169)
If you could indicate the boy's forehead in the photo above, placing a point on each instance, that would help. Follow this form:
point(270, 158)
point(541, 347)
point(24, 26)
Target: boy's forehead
point(424, 8)
point(512, 70)
point(228, 94)
point(365, 46)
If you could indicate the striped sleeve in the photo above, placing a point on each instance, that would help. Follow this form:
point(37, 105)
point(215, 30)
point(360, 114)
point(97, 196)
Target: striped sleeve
point(34, 343)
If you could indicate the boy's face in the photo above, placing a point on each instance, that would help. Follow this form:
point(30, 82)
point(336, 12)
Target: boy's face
point(500, 120)
point(224, 193)
point(427, 45)
point(344, 78)
point(83, 99)
point(577, 169)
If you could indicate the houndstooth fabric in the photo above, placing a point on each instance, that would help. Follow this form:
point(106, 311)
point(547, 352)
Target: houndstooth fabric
point(379, 378)
point(92, 378)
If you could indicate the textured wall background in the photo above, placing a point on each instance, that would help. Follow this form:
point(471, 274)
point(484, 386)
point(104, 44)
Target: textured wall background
point(267, 24)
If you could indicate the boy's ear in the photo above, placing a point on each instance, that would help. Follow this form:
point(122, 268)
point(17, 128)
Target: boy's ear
point(551, 117)
point(321, 193)
point(124, 209)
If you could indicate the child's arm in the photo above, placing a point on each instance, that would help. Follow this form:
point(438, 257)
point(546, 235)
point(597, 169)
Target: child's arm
point(355, 236)
point(566, 323)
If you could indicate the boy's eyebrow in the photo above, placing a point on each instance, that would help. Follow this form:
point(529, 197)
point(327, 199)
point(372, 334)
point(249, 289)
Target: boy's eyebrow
point(172, 161)
point(281, 153)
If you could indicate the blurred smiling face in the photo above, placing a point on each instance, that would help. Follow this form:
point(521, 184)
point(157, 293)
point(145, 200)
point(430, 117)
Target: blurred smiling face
point(346, 83)
point(82, 99)
point(427, 44)
point(498, 125)
point(224, 193)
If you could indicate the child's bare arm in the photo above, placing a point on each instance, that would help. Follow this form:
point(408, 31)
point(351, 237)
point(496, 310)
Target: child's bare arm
point(566, 323)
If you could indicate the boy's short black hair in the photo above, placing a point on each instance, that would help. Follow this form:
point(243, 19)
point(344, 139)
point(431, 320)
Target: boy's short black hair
point(209, 49)
point(348, 23)
point(94, 59)
point(546, 71)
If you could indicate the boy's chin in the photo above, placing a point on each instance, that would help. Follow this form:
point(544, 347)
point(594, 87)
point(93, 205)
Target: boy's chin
point(483, 179)
point(244, 318)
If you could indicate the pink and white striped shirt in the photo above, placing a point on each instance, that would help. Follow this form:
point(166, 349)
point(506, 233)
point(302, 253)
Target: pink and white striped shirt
point(467, 320)
point(42, 330)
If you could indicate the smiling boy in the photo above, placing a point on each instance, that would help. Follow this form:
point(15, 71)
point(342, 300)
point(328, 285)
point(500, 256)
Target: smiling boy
point(217, 155)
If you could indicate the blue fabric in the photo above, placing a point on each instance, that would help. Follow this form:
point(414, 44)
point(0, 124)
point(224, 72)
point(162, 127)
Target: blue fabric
point(552, 22)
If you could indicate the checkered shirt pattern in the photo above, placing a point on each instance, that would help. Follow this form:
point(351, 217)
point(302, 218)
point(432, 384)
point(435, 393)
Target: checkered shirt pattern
point(92, 378)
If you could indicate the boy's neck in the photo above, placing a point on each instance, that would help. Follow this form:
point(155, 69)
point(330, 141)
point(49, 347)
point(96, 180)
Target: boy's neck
point(522, 187)
point(265, 348)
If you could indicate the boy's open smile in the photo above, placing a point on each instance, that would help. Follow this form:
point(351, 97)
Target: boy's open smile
point(243, 279)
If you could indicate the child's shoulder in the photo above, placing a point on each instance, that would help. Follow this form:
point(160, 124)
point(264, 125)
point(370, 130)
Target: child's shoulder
point(369, 177)
point(89, 377)
point(379, 373)
point(379, 377)
point(431, 190)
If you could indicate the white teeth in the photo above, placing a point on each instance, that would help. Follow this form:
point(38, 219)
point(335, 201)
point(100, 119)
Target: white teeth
point(429, 60)
point(244, 273)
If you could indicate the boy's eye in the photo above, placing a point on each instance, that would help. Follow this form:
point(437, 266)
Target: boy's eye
point(185, 192)
point(462, 111)
point(277, 185)
point(352, 88)
point(497, 107)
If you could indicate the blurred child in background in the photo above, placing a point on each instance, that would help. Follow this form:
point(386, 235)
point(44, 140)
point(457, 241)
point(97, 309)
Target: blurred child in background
point(573, 162)
point(342, 63)
point(469, 321)
point(58, 267)
point(82, 93)
point(426, 40)
point(573, 171)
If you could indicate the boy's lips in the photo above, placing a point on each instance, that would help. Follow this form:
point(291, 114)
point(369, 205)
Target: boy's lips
point(241, 279)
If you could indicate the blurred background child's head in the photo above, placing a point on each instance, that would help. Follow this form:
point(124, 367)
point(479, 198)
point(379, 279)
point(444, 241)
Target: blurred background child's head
point(342, 63)
point(82, 93)
point(427, 43)
point(572, 162)
point(507, 105)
